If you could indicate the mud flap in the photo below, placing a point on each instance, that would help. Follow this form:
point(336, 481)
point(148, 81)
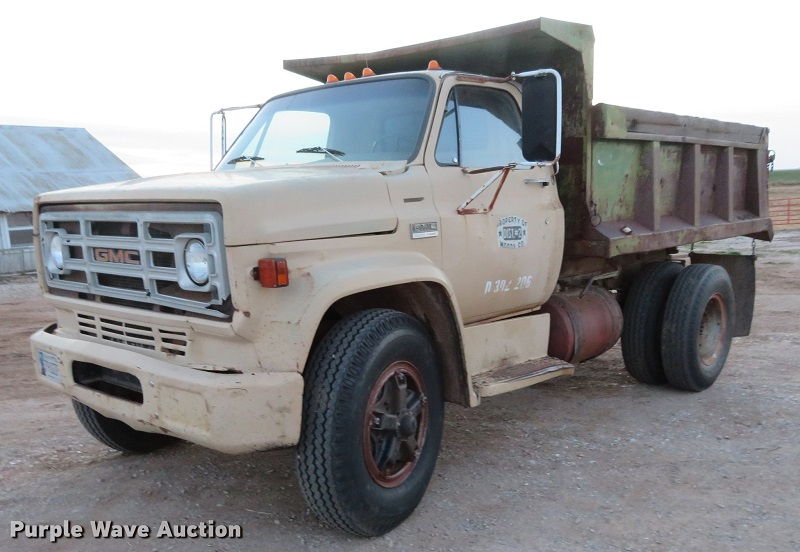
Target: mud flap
point(742, 270)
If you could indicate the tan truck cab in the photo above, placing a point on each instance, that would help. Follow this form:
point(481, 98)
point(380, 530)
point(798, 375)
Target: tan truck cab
point(371, 248)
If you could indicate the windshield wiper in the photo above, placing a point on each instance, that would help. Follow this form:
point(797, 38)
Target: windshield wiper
point(252, 158)
point(327, 151)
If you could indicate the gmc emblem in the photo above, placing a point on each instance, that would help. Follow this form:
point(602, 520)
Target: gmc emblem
point(108, 255)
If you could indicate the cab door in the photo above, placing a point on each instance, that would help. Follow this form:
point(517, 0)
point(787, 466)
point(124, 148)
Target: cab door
point(502, 249)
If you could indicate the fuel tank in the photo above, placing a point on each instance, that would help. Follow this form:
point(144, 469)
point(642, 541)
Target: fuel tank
point(583, 324)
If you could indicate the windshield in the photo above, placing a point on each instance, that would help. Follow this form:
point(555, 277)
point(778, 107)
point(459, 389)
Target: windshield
point(368, 120)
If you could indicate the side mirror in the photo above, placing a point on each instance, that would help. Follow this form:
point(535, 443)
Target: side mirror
point(541, 115)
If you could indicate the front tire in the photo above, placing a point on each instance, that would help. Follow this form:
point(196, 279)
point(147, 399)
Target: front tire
point(372, 422)
point(698, 326)
point(118, 435)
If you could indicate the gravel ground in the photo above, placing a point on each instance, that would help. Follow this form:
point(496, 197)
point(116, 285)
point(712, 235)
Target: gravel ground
point(591, 462)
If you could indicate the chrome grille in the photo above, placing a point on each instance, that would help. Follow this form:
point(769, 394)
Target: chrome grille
point(136, 257)
point(169, 341)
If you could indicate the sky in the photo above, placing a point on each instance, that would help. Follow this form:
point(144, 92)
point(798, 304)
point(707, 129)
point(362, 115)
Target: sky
point(144, 76)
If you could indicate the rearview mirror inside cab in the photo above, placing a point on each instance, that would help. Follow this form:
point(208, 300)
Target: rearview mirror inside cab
point(541, 115)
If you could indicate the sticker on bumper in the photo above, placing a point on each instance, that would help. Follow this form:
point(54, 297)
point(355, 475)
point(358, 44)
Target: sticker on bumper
point(49, 366)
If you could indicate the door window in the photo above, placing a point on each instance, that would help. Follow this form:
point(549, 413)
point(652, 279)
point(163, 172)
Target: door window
point(482, 127)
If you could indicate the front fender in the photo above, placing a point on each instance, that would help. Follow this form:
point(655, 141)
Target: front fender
point(282, 322)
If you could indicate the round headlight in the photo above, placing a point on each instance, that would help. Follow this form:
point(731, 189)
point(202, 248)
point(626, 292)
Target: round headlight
point(56, 249)
point(195, 258)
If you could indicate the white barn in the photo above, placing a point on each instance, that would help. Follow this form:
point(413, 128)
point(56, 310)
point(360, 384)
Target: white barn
point(39, 159)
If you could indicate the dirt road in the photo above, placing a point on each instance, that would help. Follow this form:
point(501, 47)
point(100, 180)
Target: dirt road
point(593, 462)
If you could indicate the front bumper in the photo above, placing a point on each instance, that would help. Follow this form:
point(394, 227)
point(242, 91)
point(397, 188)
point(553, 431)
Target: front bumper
point(232, 413)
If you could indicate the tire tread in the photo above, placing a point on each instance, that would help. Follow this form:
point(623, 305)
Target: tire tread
point(642, 319)
point(324, 379)
point(678, 350)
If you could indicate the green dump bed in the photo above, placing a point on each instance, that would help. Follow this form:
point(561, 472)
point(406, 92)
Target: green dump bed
point(631, 181)
point(659, 180)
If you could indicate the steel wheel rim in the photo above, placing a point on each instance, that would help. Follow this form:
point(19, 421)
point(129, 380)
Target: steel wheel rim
point(713, 331)
point(395, 424)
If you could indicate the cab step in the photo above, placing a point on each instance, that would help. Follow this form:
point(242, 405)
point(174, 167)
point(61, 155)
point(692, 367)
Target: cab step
point(517, 376)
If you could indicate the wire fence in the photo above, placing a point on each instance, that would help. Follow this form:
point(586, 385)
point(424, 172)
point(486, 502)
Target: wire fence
point(785, 212)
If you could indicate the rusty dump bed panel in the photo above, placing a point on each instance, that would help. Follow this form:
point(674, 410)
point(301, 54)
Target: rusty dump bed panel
point(630, 180)
point(659, 180)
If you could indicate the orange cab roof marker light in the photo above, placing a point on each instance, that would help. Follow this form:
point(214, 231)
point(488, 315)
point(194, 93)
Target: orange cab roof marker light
point(433, 65)
point(367, 72)
point(349, 76)
point(332, 78)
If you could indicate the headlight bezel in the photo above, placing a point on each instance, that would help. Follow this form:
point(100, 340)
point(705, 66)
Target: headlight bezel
point(185, 280)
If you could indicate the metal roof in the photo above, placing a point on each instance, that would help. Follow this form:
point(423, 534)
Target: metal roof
point(34, 160)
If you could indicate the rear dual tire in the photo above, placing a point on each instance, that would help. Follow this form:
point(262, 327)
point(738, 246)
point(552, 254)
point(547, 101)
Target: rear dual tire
point(642, 321)
point(678, 325)
point(697, 327)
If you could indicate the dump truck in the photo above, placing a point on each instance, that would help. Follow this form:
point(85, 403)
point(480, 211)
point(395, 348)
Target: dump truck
point(430, 224)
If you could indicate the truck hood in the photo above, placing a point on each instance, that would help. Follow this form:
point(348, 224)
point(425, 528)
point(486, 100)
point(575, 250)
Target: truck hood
point(267, 205)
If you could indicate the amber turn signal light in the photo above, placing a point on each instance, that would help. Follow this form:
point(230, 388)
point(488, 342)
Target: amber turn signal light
point(272, 273)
